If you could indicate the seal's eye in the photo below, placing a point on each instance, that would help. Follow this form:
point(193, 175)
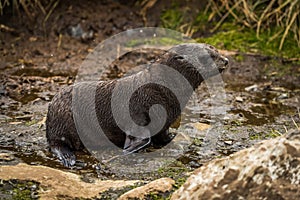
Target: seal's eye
point(179, 58)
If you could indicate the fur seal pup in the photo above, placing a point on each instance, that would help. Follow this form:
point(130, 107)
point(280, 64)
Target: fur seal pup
point(195, 62)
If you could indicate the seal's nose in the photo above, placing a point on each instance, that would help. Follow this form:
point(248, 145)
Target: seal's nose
point(226, 61)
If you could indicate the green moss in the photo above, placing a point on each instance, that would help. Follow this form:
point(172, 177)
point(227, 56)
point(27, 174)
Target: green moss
point(159, 196)
point(179, 182)
point(115, 193)
point(175, 170)
point(237, 38)
point(273, 134)
point(29, 123)
point(230, 35)
point(172, 18)
point(255, 137)
point(265, 135)
point(18, 189)
point(197, 141)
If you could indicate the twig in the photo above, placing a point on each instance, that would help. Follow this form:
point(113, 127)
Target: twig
point(51, 10)
point(2, 5)
point(59, 40)
point(41, 7)
point(146, 5)
point(235, 16)
point(249, 14)
point(287, 30)
point(262, 17)
point(22, 2)
point(6, 28)
point(225, 16)
point(295, 123)
point(285, 128)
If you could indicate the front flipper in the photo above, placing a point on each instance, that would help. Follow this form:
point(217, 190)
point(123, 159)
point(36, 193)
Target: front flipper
point(162, 138)
point(65, 155)
point(135, 142)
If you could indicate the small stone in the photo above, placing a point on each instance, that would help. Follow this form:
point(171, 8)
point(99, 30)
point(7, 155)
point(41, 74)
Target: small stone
point(33, 39)
point(201, 126)
point(6, 157)
point(229, 142)
point(283, 96)
point(4, 118)
point(239, 99)
point(252, 88)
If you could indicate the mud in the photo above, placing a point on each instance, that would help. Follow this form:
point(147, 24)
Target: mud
point(262, 93)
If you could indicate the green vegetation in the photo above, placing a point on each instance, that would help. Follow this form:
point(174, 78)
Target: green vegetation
point(115, 193)
point(18, 189)
point(260, 27)
point(159, 196)
point(262, 16)
point(273, 134)
point(237, 38)
point(31, 122)
point(265, 135)
point(172, 18)
point(197, 141)
point(178, 172)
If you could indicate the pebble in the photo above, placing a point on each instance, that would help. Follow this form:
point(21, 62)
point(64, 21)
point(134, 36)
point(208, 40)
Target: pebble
point(251, 88)
point(229, 142)
point(239, 99)
point(6, 157)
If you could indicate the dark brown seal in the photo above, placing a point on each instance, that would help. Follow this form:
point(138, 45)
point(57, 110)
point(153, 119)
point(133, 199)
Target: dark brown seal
point(193, 62)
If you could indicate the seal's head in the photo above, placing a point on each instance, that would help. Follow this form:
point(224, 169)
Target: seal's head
point(195, 59)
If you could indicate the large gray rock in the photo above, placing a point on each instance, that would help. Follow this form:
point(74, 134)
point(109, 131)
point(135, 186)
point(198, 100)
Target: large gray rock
point(269, 170)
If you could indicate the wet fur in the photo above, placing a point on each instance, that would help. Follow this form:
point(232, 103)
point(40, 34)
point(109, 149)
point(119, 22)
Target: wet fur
point(60, 127)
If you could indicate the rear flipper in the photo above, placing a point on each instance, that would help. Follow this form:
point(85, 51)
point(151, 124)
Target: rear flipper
point(65, 155)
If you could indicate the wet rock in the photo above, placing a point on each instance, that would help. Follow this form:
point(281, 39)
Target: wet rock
point(269, 170)
point(154, 187)
point(6, 157)
point(4, 118)
point(3, 91)
point(201, 126)
point(55, 183)
point(78, 32)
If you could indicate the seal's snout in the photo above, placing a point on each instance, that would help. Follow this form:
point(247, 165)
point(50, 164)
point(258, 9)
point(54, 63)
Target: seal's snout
point(226, 61)
point(223, 64)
